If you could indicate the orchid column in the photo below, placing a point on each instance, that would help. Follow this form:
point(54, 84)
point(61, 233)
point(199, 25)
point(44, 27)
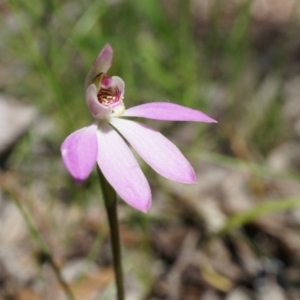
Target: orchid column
point(102, 143)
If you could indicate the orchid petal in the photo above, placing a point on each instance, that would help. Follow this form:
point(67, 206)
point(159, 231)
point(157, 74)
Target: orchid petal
point(121, 169)
point(168, 112)
point(161, 154)
point(79, 152)
point(101, 65)
point(120, 84)
point(98, 110)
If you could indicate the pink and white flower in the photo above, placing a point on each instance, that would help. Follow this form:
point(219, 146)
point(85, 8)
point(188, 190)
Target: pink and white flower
point(103, 141)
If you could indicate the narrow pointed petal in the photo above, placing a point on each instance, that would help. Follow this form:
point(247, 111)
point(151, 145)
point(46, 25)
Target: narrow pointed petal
point(79, 152)
point(121, 169)
point(161, 154)
point(101, 64)
point(98, 110)
point(168, 112)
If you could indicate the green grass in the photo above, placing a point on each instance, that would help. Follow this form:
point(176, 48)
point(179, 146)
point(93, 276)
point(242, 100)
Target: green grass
point(161, 55)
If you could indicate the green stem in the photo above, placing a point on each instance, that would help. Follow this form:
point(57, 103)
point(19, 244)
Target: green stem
point(110, 200)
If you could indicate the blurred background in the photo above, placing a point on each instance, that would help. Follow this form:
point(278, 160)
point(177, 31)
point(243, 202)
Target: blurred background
point(235, 234)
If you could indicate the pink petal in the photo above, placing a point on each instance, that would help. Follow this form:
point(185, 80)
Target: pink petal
point(162, 155)
point(119, 82)
point(101, 64)
point(119, 85)
point(79, 152)
point(168, 112)
point(98, 110)
point(121, 169)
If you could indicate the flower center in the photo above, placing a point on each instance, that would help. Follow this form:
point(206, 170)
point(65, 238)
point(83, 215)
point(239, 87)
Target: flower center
point(108, 94)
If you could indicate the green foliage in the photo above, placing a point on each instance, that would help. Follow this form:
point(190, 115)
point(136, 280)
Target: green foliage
point(159, 54)
point(258, 211)
point(162, 53)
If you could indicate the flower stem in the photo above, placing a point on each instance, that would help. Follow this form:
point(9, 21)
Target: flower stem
point(110, 200)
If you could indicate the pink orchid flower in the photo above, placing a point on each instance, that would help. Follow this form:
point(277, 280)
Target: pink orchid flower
point(104, 141)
